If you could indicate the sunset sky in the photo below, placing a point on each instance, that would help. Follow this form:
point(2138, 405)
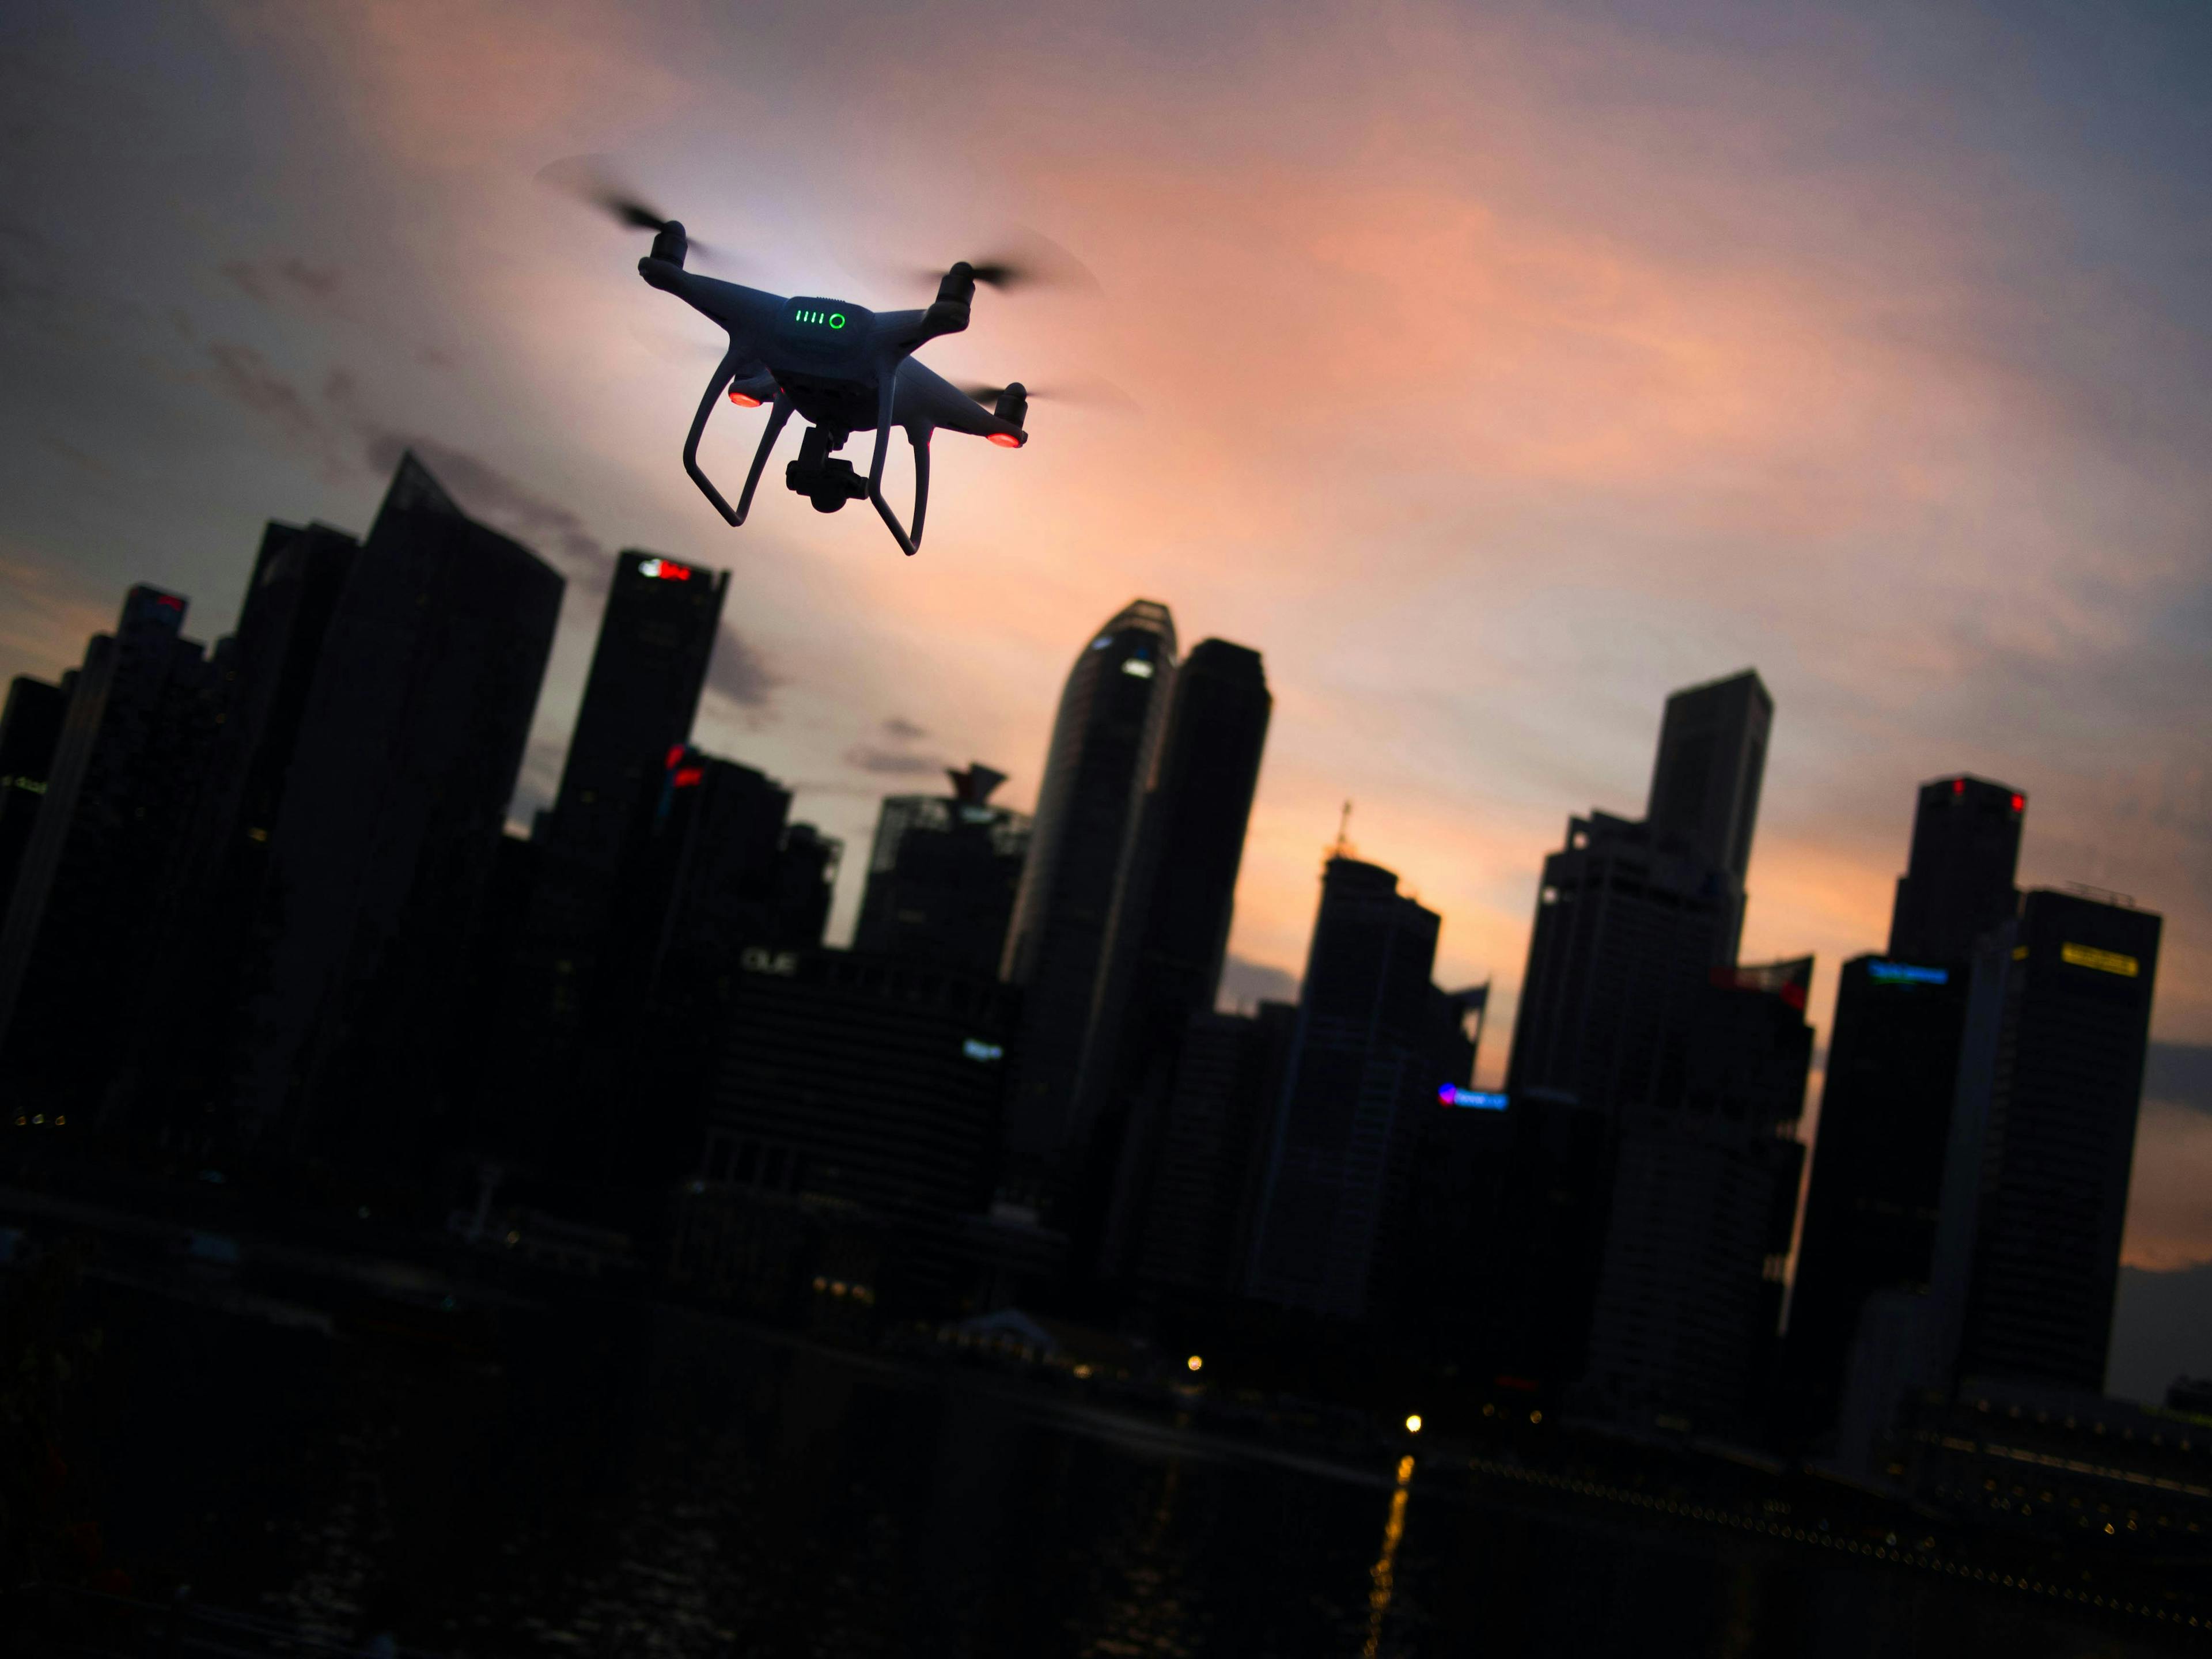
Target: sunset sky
point(1493, 370)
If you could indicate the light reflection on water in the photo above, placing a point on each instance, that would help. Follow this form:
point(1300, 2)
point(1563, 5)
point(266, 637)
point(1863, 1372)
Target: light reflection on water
point(660, 1484)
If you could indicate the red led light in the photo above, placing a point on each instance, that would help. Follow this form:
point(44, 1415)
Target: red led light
point(689, 776)
point(167, 603)
point(1957, 785)
point(675, 758)
point(742, 401)
point(1005, 439)
point(2020, 803)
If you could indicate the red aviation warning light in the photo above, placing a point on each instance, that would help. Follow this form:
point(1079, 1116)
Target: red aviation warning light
point(665, 570)
point(2020, 803)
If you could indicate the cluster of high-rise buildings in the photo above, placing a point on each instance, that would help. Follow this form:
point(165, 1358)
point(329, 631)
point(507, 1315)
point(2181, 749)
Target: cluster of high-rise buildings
point(263, 912)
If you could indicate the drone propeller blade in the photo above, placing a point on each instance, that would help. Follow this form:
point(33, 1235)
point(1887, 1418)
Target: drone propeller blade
point(1023, 259)
point(592, 181)
point(1086, 393)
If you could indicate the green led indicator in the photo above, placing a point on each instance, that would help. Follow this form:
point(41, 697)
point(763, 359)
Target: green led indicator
point(822, 318)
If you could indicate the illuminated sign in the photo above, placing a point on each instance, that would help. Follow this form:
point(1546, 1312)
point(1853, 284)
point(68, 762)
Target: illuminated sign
point(820, 319)
point(1904, 973)
point(1101, 642)
point(687, 777)
point(976, 1048)
point(1481, 1100)
point(666, 570)
point(1138, 666)
point(2105, 961)
point(758, 959)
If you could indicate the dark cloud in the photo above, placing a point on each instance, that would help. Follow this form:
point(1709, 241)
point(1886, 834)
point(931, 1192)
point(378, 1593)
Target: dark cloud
point(903, 731)
point(890, 763)
point(247, 378)
point(2179, 1074)
point(738, 672)
point(268, 280)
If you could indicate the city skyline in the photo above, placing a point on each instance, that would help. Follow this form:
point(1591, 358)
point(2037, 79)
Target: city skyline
point(1512, 603)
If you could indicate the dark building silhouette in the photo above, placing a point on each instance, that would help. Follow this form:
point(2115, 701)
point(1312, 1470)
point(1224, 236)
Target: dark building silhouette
point(1706, 778)
point(1194, 1233)
point(1103, 741)
point(868, 1081)
point(407, 752)
point(1169, 934)
point(1958, 885)
point(126, 774)
point(1631, 920)
point(1361, 1070)
point(1703, 1203)
point(1892, 1072)
point(2035, 1188)
point(30, 732)
point(208, 940)
point(942, 875)
point(643, 693)
point(1628, 922)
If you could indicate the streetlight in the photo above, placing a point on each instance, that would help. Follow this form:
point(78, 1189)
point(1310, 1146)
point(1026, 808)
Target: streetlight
point(1413, 1424)
point(1195, 1363)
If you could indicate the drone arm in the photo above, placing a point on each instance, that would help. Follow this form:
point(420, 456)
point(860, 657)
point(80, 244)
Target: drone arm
point(722, 373)
point(909, 544)
point(777, 416)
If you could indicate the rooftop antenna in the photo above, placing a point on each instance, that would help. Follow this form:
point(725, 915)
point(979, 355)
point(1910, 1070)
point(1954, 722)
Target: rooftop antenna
point(1343, 848)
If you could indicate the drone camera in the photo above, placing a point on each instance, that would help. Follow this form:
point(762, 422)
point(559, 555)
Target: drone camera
point(826, 481)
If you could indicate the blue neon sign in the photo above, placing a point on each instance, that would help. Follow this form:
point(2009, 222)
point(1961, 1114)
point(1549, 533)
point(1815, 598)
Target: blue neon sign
point(1482, 1100)
point(1904, 973)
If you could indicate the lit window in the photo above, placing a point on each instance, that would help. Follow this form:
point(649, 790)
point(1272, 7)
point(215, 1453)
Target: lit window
point(1138, 666)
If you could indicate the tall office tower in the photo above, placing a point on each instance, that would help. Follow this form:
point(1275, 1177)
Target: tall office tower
point(1628, 922)
point(207, 937)
point(1104, 742)
point(1194, 1235)
point(713, 877)
point(1958, 885)
point(870, 1081)
point(30, 732)
point(130, 760)
point(1871, 1204)
point(1706, 780)
point(2035, 1184)
point(408, 747)
point(1360, 1071)
point(640, 698)
point(1168, 936)
point(943, 874)
point(1704, 1200)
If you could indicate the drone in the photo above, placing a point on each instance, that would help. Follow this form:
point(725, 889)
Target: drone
point(840, 366)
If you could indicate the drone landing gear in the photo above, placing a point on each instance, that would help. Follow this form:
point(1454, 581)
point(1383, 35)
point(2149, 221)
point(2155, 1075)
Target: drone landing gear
point(918, 437)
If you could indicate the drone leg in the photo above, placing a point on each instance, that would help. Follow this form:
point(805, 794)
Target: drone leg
point(777, 417)
point(920, 439)
point(906, 544)
point(722, 373)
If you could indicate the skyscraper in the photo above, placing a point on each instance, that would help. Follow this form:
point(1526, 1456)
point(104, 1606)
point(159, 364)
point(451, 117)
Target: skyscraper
point(647, 669)
point(1361, 1070)
point(1958, 885)
point(408, 746)
point(1892, 1072)
point(1169, 932)
point(30, 732)
point(1631, 920)
point(1104, 742)
point(1193, 1234)
point(1704, 1202)
point(942, 875)
point(207, 938)
point(2035, 1185)
point(126, 774)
